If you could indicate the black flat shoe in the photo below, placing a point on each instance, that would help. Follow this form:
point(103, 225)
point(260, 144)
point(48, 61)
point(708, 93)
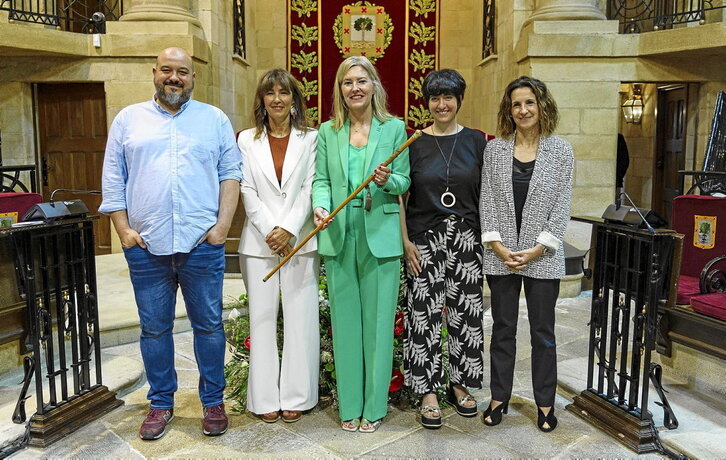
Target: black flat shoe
point(494, 414)
point(462, 410)
point(549, 419)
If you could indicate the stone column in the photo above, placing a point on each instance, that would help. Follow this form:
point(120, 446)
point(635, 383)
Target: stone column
point(565, 10)
point(159, 10)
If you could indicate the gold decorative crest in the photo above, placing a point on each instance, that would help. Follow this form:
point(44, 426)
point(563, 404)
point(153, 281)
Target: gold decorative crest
point(363, 29)
point(704, 233)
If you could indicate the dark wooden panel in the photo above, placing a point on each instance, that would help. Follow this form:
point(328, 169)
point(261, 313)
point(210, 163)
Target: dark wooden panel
point(12, 320)
point(72, 128)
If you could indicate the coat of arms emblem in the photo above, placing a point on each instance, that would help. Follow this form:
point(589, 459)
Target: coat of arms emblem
point(363, 29)
point(704, 232)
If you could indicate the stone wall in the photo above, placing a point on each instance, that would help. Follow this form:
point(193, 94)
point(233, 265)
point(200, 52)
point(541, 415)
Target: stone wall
point(460, 48)
point(492, 74)
point(16, 124)
point(640, 138)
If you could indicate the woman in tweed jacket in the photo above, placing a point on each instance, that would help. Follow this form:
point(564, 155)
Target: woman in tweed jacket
point(524, 209)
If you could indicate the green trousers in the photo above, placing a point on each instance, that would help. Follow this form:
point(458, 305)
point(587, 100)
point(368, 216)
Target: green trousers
point(363, 293)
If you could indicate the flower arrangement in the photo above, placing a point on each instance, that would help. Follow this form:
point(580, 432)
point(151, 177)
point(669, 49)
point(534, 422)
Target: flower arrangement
point(236, 371)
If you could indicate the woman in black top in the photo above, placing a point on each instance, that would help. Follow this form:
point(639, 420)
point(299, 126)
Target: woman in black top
point(526, 190)
point(442, 244)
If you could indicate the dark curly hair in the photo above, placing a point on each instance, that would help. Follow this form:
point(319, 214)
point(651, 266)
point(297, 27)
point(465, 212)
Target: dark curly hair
point(548, 114)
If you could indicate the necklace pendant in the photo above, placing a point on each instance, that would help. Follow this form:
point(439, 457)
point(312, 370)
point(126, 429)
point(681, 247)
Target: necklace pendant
point(448, 199)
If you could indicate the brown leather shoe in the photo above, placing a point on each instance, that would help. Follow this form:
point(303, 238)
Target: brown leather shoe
point(156, 423)
point(291, 416)
point(270, 417)
point(215, 420)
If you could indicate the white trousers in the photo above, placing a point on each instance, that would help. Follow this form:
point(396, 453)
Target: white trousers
point(294, 384)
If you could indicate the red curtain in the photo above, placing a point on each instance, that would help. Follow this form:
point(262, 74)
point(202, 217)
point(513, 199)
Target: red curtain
point(400, 36)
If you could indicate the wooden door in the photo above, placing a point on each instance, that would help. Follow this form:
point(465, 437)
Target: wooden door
point(670, 148)
point(72, 136)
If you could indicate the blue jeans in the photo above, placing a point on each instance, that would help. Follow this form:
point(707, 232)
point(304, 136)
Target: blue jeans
point(155, 280)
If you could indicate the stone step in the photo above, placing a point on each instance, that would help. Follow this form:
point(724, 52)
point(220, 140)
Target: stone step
point(120, 375)
point(119, 320)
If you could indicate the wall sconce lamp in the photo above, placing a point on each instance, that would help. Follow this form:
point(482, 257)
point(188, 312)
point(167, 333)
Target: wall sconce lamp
point(633, 106)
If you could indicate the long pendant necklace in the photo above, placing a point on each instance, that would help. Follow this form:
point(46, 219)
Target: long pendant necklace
point(448, 199)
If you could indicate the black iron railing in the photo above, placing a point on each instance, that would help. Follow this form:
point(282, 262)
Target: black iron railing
point(55, 267)
point(632, 275)
point(712, 179)
point(637, 16)
point(12, 180)
point(240, 38)
point(83, 16)
point(489, 26)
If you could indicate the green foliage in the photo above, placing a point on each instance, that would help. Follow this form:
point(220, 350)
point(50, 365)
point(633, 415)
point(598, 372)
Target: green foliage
point(423, 7)
point(304, 7)
point(363, 23)
point(236, 372)
point(313, 116)
point(422, 33)
point(303, 34)
point(419, 116)
point(309, 88)
point(415, 87)
point(421, 61)
point(303, 61)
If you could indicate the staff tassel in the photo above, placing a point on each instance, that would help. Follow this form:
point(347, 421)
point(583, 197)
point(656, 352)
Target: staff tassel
point(322, 225)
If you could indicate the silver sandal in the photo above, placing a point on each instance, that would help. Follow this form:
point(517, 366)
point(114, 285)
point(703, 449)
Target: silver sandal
point(373, 425)
point(432, 423)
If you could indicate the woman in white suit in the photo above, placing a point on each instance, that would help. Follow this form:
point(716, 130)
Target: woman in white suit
point(278, 169)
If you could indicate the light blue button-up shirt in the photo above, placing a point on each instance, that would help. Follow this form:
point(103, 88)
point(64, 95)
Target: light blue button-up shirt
point(164, 169)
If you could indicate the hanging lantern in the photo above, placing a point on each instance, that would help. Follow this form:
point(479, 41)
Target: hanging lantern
point(633, 106)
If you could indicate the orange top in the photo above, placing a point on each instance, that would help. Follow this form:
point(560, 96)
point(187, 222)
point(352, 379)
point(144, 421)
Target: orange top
point(278, 146)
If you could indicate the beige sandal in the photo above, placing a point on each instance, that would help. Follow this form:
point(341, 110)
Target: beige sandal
point(350, 425)
point(270, 417)
point(366, 426)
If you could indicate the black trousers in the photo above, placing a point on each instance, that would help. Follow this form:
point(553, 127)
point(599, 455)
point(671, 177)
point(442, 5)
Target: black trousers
point(541, 295)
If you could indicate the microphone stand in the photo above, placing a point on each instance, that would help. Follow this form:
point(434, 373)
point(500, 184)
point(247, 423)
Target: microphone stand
point(642, 217)
point(65, 190)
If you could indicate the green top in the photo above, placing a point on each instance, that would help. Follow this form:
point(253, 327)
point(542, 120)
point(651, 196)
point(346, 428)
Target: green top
point(356, 166)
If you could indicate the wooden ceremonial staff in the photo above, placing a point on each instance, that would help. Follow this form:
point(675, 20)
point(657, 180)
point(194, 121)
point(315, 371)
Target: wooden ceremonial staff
point(325, 221)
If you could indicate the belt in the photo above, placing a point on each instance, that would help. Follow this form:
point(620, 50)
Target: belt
point(356, 202)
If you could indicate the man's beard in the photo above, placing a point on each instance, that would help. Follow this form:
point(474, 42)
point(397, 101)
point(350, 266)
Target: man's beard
point(173, 100)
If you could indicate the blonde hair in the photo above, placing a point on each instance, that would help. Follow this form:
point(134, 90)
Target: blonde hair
point(548, 113)
point(379, 101)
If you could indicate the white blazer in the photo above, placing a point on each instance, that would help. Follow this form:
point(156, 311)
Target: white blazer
point(267, 202)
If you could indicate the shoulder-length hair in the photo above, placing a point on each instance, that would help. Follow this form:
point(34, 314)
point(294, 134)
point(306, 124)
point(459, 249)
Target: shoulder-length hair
point(548, 114)
point(379, 101)
point(287, 82)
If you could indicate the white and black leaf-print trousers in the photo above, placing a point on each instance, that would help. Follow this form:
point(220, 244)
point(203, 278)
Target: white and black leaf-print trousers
point(451, 277)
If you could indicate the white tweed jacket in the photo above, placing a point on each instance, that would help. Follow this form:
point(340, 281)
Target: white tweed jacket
point(546, 210)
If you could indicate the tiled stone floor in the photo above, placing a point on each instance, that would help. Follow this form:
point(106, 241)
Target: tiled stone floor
point(318, 434)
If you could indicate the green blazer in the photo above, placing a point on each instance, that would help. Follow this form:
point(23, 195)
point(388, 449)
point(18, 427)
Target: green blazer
point(330, 187)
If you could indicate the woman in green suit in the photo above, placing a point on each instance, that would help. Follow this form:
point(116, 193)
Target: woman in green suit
point(362, 245)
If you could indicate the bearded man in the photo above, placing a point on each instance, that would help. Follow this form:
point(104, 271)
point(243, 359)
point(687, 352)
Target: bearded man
point(171, 178)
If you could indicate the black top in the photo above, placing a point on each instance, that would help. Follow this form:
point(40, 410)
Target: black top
point(428, 180)
point(521, 175)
